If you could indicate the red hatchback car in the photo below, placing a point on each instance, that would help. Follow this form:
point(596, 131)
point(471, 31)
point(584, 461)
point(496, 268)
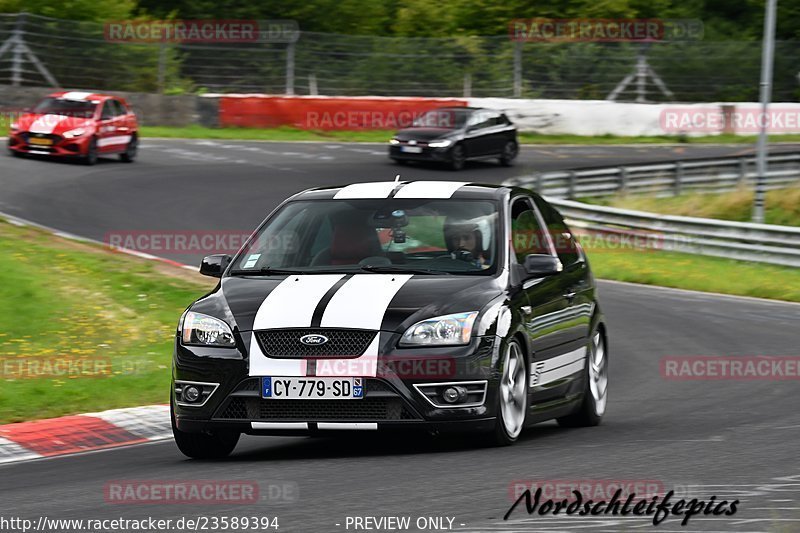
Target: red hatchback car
point(76, 124)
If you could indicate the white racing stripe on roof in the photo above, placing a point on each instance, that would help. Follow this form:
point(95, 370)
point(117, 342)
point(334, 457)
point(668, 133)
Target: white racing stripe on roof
point(76, 95)
point(377, 189)
point(430, 189)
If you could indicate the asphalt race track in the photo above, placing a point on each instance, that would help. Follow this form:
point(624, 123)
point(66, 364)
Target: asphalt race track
point(729, 439)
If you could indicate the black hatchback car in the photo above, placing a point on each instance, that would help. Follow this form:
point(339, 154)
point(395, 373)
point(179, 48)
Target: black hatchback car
point(453, 135)
point(393, 305)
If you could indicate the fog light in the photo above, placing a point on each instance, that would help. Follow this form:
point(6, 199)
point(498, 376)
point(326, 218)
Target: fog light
point(191, 393)
point(454, 394)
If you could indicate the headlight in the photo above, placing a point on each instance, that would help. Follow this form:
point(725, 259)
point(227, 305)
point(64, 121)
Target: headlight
point(394, 141)
point(14, 126)
point(445, 330)
point(77, 132)
point(440, 144)
point(204, 330)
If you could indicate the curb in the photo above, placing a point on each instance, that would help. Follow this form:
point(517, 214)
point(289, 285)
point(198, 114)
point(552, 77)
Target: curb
point(38, 439)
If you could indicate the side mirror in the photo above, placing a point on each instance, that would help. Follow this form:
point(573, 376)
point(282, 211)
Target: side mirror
point(542, 265)
point(215, 265)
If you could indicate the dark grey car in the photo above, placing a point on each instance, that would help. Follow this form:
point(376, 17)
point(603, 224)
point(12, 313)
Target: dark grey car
point(454, 135)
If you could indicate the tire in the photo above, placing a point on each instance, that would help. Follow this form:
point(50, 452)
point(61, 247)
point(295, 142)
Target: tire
point(595, 392)
point(91, 153)
point(216, 445)
point(512, 396)
point(510, 151)
point(129, 154)
point(457, 157)
point(399, 161)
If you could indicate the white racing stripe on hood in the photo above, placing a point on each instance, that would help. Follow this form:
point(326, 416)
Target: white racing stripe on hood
point(290, 305)
point(377, 189)
point(430, 189)
point(46, 123)
point(360, 304)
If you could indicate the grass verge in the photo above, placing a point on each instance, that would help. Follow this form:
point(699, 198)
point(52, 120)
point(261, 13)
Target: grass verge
point(295, 134)
point(782, 206)
point(83, 328)
point(696, 272)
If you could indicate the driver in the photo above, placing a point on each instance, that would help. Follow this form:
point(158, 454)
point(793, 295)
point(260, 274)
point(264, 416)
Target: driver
point(465, 242)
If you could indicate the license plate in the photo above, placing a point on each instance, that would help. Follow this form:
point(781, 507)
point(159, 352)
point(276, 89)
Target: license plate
point(411, 149)
point(311, 388)
point(40, 142)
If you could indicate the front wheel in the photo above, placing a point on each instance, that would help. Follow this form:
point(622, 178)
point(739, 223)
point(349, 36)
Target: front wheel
point(457, 157)
point(215, 445)
point(510, 151)
point(595, 391)
point(512, 405)
point(130, 151)
point(91, 153)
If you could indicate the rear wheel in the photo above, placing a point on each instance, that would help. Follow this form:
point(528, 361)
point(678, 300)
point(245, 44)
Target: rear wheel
point(212, 445)
point(510, 151)
point(512, 405)
point(91, 153)
point(130, 151)
point(595, 392)
point(457, 157)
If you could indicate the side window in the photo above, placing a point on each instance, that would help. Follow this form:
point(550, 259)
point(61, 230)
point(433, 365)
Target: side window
point(119, 109)
point(562, 237)
point(527, 234)
point(108, 111)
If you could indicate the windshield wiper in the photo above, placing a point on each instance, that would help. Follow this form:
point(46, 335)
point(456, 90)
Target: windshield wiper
point(402, 269)
point(263, 271)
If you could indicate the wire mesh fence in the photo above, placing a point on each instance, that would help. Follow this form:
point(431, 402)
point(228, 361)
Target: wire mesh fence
point(41, 51)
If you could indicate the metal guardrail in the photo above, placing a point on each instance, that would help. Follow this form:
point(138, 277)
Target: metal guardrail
point(662, 179)
point(763, 243)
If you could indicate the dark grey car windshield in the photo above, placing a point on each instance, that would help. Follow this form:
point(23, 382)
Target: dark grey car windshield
point(376, 235)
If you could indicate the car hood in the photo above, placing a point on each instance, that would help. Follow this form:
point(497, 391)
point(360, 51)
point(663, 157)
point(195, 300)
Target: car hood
point(422, 134)
point(46, 123)
point(238, 299)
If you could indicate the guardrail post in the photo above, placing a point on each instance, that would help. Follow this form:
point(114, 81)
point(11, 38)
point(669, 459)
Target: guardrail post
point(623, 180)
point(742, 171)
point(571, 184)
point(678, 178)
point(539, 183)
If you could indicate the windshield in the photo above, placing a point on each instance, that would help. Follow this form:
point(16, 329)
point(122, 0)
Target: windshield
point(60, 106)
point(382, 235)
point(442, 118)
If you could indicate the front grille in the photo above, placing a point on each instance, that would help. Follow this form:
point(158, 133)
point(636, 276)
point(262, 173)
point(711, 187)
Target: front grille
point(28, 136)
point(342, 343)
point(372, 409)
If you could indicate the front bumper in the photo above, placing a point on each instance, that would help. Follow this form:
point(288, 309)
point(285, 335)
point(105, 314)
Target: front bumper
point(396, 151)
point(25, 143)
point(391, 400)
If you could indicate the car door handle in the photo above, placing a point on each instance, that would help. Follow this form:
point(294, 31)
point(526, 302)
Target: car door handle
point(570, 295)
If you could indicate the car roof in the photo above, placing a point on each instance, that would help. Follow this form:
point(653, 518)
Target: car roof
point(405, 189)
point(83, 96)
